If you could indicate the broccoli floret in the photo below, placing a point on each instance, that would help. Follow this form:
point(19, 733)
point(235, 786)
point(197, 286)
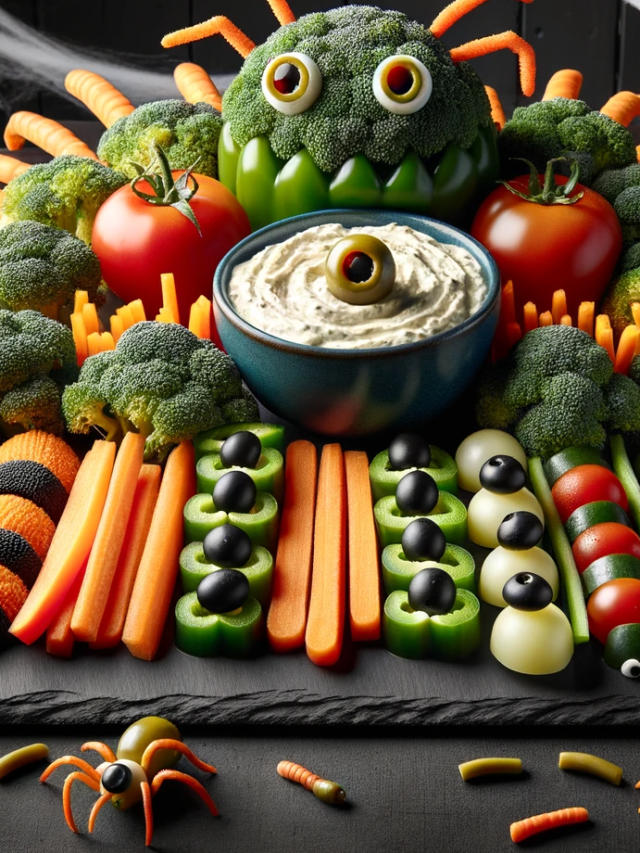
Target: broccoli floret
point(630, 259)
point(565, 128)
point(492, 412)
point(620, 295)
point(161, 381)
point(37, 359)
point(65, 193)
point(186, 133)
point(241, 410)
point(348, 44)
point(611, 182)
point(41, 267)
point(621, 404)
point(627, 208)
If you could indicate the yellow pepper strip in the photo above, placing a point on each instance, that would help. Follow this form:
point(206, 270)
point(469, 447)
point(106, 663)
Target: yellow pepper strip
point(486, 766)
point(81, 299)
point(126, 316)
point(19, 757)
point(93, 341)
point(90, 317)
point(583, 762)
point(137, 311)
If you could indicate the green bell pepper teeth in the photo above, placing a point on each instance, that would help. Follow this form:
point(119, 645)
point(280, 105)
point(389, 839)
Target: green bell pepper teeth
point(194, 566)
point(385, 479)
point(261, 524)
point(450, 514)
point(398, 571)
point(413, 634)
point(205, 634)
point(268, 475)
point(448, 186)
point(211, 441)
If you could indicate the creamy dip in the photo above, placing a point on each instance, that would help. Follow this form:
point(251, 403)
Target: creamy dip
point(283, 290)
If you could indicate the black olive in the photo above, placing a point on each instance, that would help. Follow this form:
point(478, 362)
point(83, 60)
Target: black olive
point(116, 778)
point(242, 449)
point(423, 540)
point(286, 78)
point(502, 475)
point(223, 591)
point(358, 267)
point(520, 531)
point(227, 546)
point(409, 450)
point(526, 591)
point(417, 493)
point(432, 591)
point(235, 492)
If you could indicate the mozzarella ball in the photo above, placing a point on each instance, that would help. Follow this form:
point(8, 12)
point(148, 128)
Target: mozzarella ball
point(502, 564)
point(480, 446)
point(537, 642)
point(488, 510)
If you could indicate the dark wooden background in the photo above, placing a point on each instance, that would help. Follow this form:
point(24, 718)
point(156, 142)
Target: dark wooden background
point(600, 37)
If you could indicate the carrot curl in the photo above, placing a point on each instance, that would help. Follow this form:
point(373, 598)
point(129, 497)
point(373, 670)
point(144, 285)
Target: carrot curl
point(219, 25)
point(503, 41)
point(453, 13)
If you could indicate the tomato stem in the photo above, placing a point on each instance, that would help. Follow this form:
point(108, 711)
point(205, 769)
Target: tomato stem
point(551, 192)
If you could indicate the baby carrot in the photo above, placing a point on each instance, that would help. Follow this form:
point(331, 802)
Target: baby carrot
point(325, 624)
point(80, 299)
point(80, 337)
point(604, 334)
point(566, 320)
point(563, 84)
point(47, 134)
point(626, 348)
point(10, 168)
point(169, 296)
point(622, 107)
point(137, 311)
point(523, 829)
point(195, 85)
point(558, 305)
point(546, 319)
point(117, 328)
point(126, 315)
point(90, 317)
point(98, 95)
point(586, 313)
point(364, 578)
point(60, 637)
point(287, 618)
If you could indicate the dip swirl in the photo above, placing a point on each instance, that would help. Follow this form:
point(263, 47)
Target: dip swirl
point(283, 290)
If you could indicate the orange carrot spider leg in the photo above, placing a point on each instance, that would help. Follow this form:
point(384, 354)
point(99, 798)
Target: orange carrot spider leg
point(168, 743)
point(77, 776)
point(71, 759)
point(509, 41)
point(101, 748)
point(453, 13)
point(104, 799)
point(196, 786)
point(220, 25)
point(148, 813)
point(282, 11)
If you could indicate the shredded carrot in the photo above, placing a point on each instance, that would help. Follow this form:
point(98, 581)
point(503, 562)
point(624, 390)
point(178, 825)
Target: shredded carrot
point(80, 337)
point(137, 311)
point(627, 348)
point(530, 317)
point(219, 25)
point(10, 168)
point(604, 334)
point(98, 95)
point(566, 320)
point(497, 110)
point(563, 84)
point(623, 107)
point(90, 318)
point(106, 753)
point(558, 305)
point(546, 319)
point(117, 327)
point(282, 11)
point(453, 13)
point(80, 299)
point(196, 86)
point(74, 761)
point(586, 312)
point(503, 41)
point(364, 577)
point(523, 829)
point(169, 296)
point(47, 134)
point(126, 315)
point(60, 637)
point(148, 812)
point(514, 333)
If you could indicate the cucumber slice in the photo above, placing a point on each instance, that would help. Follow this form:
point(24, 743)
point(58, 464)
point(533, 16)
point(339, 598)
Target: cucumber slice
point(268, 475)
point(210, 441)
point(397, 571)
point(623, 647)
point(258, 570)
point(570, 458)
point(449, 513)
point(609, 568)
point(594, 513)
point(384, 479)
point(261, 524)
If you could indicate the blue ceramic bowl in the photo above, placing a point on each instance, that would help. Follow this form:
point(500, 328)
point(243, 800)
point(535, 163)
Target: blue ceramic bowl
point(354, 391)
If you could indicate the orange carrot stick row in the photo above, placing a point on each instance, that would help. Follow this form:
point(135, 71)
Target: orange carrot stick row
point(604, 335)
point(60, 637)
point(364, 574)
point(98, 95)
point(10, 168)
point(47, 134)
point(195, 85)
point(523, 829)
point(563, 84)
point(627, 348)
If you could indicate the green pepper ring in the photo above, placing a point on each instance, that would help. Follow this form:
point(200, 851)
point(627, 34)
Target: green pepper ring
point(416, 86)
point(301, 88)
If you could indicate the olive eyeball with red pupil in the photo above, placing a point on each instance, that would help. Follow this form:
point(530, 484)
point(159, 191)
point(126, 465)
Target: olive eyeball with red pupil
point(286, 78)
point(360, 270)
point(400, 80)
point(291, 83)
point(402, 84)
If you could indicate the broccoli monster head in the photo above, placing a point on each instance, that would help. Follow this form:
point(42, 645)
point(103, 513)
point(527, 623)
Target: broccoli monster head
point(357, 107)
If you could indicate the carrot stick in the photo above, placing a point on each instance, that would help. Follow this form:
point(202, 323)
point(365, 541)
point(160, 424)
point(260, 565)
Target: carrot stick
point(107, 545)
point(90, 318)
point(364, 577)
point(546, 319)
point(126, 315)
point(47, 134)
point(194, 319)
point(623, 107)
point(558, 305)
point(563, 84)
point(530, 317)
point(137, 311)
point(287, 618)
point(60, 637)
point(523, 829)
point(586, 312)
point(325, 623)
point(626, 348)
point(80, 299)
point(107, 341)
point(503, 41)
point(10, 168)
point(195, 85)
point(117, 327)
point(94, 343)
point(169, 297)
point(638, 152)
point(205, 308)
point(452, 13)
point(497, 110)
point(79, 336)
point(604, 334)
point(71, 543)
point(153, 588)
point(508, 303)
point(566, 320)
point(219, 25)
point(282, 11)
point(144, 502)
point(514, 333)
point(98, 95)
point(635, 312)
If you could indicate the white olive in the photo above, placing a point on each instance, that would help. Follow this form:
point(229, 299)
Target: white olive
point(501, 564)
point(487, 511)
point(480, 446)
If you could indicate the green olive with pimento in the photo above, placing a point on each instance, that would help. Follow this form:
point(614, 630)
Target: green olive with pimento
point(360, 270)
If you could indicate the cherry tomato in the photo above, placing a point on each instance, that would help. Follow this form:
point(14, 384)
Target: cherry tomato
point(585, 484)
point(602, 540)
point(137, 241)
point(614, 603)
point(542, 248)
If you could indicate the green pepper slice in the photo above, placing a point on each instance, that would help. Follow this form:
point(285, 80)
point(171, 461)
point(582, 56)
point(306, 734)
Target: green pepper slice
point(398, 571)
point(484, 152)
point(455, 185)
point(450, 514)
point(256, 175)
point(412, 634)
point(268, 475)
point(623, 644)
point(261, 524)
point(356, 184)
point(609, 568)
point(385, 479)
point(410, 187)
point(211, 441)
point(205, 634)
point(300, 187)
point(194, 566)
point(228, 157)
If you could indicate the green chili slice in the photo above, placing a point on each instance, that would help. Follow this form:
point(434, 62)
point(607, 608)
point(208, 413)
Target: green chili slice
point(489, 766)
point(583, 762)
point(20, 757)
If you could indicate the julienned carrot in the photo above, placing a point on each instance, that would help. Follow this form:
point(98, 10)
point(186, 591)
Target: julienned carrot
point(195, 85)
point(325, 623)
point(60, 637)
point(364, 576)
point(205, 316)
point(107, 545)
point(604, 334)
point(622, 107)
point(563, 84)
point(169, 296)
point(497, 110)
point(287, 618)
point(94, 343)
point(80, 299)
point(635, 312)
point(194, 320)
point(546, 319)
point(144, 502)
point(558, 305)
point(153, 588)
point(523, 829)
point(90, 317)
point(10, 168)
point(71, 543)
point(80, 337)
point(586, 312)
point(47, 134)
point(626, 348)
point(530, 317)
point(98, 95)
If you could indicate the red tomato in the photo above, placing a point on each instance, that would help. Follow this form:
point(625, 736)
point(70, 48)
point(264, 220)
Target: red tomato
point(585, 484)
point(614, 603)
point(542, 248)
point(602, 540)
point(137, 241)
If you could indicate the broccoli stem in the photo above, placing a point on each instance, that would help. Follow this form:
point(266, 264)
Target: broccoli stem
point(572, 586)
point(624, 470)
point(111, 427)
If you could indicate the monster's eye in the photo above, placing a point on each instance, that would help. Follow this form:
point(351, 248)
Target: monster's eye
point(402, 84)
point(291, 83)
point(631, 668)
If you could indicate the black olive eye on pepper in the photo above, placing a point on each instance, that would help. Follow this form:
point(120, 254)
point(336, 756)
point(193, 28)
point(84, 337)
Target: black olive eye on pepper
point(423, 540)
point(116, 778)
point(417, 493)
point(432, 591)
point(227, 546)
point(527, 591)
point(409, 450)
point(520, 531)
point(360, 269)
point(242, 449)
point(502, 475)
point(235, 492)
point(223, 591)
